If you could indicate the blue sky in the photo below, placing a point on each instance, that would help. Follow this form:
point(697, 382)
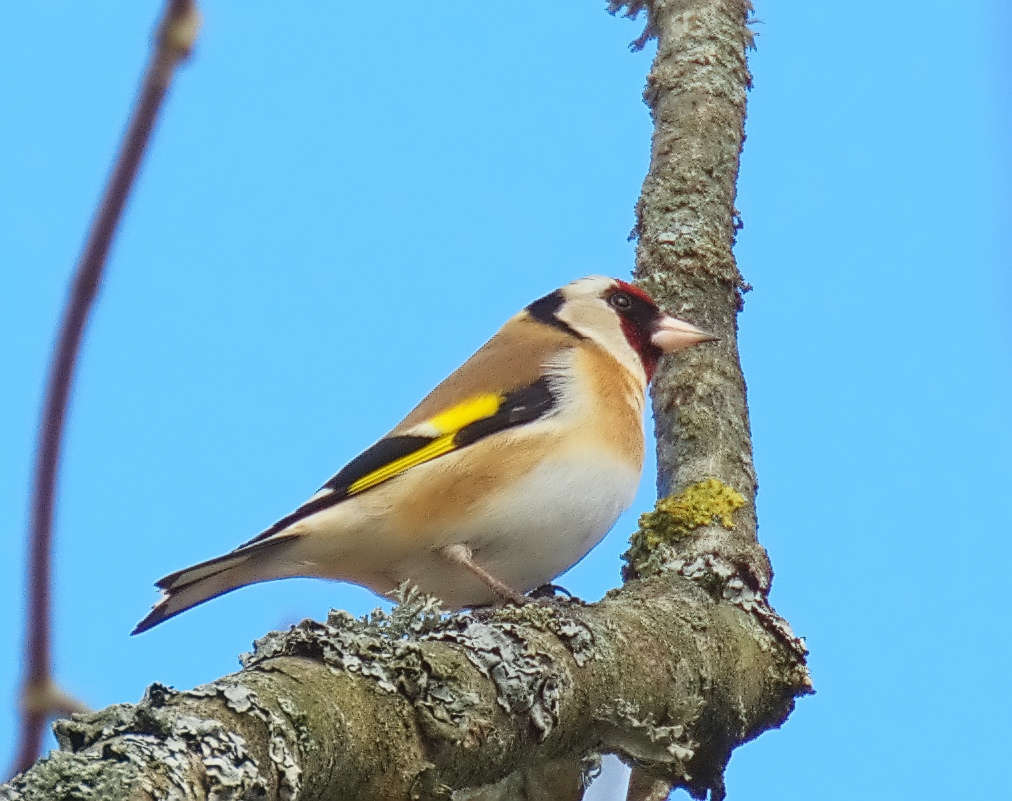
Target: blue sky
point(339, 207)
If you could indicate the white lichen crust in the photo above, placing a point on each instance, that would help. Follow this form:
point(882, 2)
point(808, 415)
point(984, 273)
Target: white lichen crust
point(421, 705)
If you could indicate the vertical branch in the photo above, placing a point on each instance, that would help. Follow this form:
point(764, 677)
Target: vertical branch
point(686, 221)
point(40, 699)
point(686, 224)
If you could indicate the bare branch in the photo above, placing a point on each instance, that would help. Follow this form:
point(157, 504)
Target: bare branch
point(173, 42)
point(411, 705)
point(686, 225)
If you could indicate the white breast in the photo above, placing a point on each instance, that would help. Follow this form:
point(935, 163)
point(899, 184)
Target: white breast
point(553, 517)
point(544, 525)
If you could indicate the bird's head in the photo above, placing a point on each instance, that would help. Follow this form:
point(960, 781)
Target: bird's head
point(618, 316)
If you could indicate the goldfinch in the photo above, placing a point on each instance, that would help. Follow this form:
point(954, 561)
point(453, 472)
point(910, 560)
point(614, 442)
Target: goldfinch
point(504, 476)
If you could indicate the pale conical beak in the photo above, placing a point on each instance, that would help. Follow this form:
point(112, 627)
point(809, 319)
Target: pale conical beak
point(671, 334)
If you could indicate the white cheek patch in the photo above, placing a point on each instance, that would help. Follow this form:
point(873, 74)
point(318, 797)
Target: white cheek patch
point(596, 321)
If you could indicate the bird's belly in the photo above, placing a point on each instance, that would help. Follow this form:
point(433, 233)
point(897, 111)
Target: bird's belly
point(543, 525)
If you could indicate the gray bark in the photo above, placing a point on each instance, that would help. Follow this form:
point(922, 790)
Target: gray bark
point(673, 671)
point(666, 672)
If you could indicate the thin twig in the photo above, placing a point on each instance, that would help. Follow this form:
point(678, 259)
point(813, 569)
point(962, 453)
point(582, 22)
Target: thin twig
point(173, 42)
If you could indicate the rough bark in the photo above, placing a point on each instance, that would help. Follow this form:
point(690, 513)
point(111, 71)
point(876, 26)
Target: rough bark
point(686, 223)
point(665, 672)
point(672, 672)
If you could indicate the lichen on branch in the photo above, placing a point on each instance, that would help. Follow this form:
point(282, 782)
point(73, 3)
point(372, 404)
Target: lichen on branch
point(675, 518)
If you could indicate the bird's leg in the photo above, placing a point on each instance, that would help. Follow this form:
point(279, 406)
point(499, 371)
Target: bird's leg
point(461, 555)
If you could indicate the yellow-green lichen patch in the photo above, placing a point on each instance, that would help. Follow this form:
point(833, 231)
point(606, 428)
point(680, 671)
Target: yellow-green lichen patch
point(675, 518)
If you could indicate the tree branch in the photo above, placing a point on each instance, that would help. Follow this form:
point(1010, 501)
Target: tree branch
point(173, 42)
point(409, 705)
point(686, 223)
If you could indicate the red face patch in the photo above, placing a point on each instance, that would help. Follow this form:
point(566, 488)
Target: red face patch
point(632, 289)
point(638, 315)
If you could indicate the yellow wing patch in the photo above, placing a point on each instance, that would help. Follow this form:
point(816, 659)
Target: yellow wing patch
point(465, 413)
point(444, 427)
point(435, 448)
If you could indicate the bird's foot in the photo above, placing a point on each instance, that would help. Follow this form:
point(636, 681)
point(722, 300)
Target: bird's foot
point(549, 591)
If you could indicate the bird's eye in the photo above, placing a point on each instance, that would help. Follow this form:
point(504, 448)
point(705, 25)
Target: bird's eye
point(620, 300)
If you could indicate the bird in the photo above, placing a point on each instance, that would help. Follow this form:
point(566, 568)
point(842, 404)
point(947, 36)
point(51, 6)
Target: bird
point(499, 480)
